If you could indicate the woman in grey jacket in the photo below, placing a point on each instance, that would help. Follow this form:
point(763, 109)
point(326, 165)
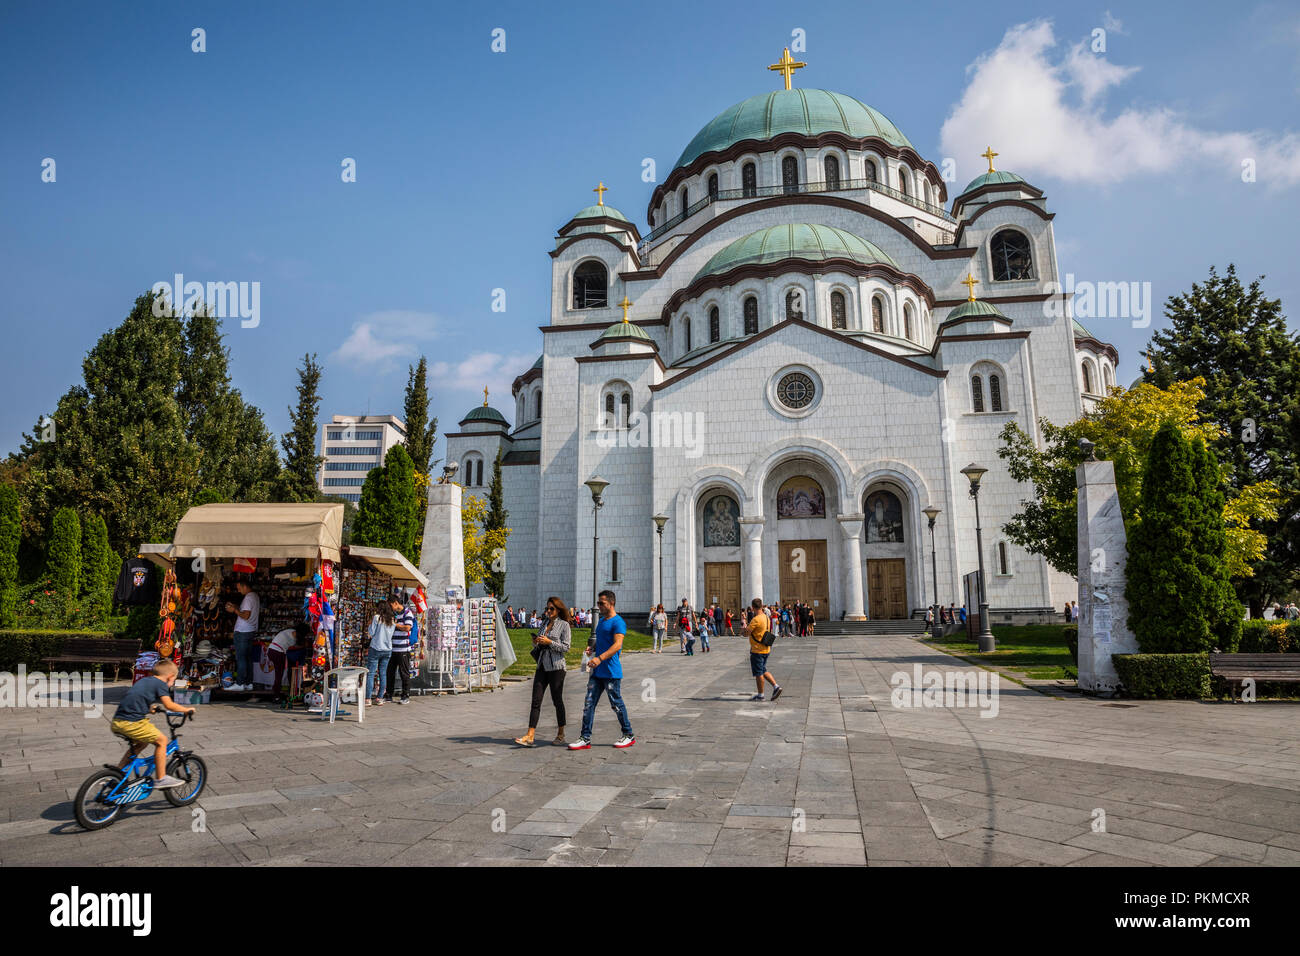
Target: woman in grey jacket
point(549, 647)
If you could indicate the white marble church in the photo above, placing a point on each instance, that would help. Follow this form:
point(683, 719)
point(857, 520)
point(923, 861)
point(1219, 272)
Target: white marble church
point(799, 356)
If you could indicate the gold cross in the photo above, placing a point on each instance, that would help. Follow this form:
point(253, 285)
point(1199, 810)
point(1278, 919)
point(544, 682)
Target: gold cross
point(786, 66)
point(600, 191)
point(625, 304)
point(970, 282)
point(989, 154)
point(485, 394)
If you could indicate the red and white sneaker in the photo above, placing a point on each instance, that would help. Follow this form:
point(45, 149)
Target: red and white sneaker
point(624, 742)
point(582, 743)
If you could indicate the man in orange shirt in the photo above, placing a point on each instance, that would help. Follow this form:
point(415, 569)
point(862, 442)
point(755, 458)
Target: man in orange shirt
point(760, 646)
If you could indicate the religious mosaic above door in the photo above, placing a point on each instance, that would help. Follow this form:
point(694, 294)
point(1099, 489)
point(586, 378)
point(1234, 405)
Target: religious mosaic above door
point(800, 497)
point(884, 517)
point(721, 522)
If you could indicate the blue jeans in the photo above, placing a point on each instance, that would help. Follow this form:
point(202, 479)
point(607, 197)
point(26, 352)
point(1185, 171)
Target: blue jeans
point(704, 639)
point(243, 668)
point(377, 663)
point(604, 685)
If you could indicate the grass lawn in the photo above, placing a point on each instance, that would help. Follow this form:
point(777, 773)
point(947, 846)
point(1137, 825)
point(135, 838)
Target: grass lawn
point(522, 639)
point(1040, 651)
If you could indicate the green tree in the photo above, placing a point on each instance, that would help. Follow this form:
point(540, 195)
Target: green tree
point(99, 566)
point(1222, 609)
point(63, 563)
point(1175, 580)
point(298, 477)
point(1237, 340)
point(10, 533)
point(421, 430)
point(494, 529)
point(389, 506)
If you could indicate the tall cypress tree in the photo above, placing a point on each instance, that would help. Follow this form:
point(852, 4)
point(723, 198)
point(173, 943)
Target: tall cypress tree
point(10, 533)
point(1238, 341)
point(421, 431)
point(99, 565)
point(1223, 610)
point(495, 521)
point(63, 563)
point(298, 477)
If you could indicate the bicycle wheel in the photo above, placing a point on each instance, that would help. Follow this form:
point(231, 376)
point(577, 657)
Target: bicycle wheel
point(194, 772)
point(93, 812)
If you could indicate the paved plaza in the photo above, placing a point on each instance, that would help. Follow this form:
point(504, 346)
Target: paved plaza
point(830, 774)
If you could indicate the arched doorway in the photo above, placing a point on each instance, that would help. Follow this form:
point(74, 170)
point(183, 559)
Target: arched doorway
point(719, 547)
point(801, 553)
point(886, 551)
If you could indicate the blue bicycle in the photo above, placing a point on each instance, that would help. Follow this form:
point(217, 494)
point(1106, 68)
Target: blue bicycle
point(101, 798)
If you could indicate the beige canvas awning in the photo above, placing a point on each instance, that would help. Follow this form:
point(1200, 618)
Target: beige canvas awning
point(392, 563)
point(159, 554)
point(308, 530)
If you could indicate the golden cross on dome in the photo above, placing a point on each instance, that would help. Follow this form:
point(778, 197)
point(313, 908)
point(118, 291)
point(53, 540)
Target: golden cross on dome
point(989, 154)
point(600, 191)
point(786, 66)
point(625, 305)
point(970, 282)
point(485, 394)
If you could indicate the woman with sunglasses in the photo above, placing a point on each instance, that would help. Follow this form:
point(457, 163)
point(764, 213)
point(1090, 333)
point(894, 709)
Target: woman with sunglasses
point(549, 647)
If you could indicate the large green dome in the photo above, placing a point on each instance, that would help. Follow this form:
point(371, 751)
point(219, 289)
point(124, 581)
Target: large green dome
point(810, 112)
point(999, 177)
point(484, 413)
point(794, 241)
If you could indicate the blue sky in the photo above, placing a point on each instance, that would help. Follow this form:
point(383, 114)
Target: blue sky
point(225, 165)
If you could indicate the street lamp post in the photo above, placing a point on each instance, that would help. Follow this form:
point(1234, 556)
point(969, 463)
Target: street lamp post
point(974, 472)
point(597, 487)
point(931, 513)
point(660, 521)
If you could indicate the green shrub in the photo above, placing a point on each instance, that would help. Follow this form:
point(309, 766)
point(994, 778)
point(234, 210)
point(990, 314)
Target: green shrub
point(1164, 676)
point(99, 566)
point(63, 560)
point(10, 534)
point(1268, 637)
point(30, 648)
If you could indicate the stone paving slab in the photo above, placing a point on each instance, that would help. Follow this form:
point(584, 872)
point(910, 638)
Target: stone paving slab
point(832, 775)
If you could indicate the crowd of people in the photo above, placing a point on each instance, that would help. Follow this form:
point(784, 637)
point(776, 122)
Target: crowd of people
point(952, 614)
point(536, 618)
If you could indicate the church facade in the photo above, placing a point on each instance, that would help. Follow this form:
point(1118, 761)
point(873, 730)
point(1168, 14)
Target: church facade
point(799, 355)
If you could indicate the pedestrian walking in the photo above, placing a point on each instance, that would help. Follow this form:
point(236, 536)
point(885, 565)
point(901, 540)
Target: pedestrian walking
point(606, 674)
point(659, 627)
point(760, 637)
point(549, 647)
point(731, 622)
point(706, 625)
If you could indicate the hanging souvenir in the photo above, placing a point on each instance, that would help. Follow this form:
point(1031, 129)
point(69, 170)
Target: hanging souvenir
point(327, 576)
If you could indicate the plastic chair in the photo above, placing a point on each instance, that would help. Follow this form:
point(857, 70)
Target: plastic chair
point(346, 678)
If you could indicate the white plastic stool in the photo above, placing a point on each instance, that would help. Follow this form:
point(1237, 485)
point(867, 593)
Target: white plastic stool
point(347, 678)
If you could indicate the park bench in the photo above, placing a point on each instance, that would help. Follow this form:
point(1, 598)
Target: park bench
point(91, 650)
point(1237, 668)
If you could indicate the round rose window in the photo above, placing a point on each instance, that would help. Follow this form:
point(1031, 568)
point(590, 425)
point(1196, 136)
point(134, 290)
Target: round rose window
point(796, 390)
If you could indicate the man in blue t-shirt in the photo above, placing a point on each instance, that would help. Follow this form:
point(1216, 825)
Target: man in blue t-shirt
point(606, 674)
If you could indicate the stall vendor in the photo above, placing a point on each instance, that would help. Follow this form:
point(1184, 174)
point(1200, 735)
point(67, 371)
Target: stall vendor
point(288, 646)
point(245, 631)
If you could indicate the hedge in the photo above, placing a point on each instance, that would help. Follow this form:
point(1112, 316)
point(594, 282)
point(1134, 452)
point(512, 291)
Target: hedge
point(1164, 676)
point(33, 647)
point(1268, 637)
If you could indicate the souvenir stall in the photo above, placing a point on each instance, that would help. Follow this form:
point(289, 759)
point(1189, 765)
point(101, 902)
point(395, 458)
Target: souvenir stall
point(469, 646)
point(291, 557)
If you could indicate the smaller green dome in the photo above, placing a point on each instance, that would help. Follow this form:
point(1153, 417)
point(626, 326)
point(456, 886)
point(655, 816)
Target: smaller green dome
point(975, 310)
point(597, 212)
point(625, 330)
point(1080, 330)
point(484, 413)
point(814, 243)
point(999, 177)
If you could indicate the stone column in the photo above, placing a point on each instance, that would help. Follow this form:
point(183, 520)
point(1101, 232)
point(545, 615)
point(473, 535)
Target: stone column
point(1103, 552)
point(752, 572)
point(851, 526)
point(442, 554)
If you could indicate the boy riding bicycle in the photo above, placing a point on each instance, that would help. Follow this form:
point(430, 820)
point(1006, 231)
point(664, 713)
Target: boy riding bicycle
point(132, 723)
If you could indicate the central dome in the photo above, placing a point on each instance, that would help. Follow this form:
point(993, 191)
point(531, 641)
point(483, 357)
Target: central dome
point(796, 241)
point(810, 112)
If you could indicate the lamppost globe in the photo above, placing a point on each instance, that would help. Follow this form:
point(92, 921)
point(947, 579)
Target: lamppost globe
point(974, 473)
point(597, 487)
point(660, 521)
point(931, 512)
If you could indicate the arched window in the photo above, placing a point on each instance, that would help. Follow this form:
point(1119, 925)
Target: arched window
point(686, 325)
point(790, 175)
point(686, 199)
point(832, 165)
point(626, 402)
point(473, 471)
point(610, 420)
point(877, 314)
point(613, 565)
point(870, 172)
point(902, 180)
point(995, 392)
point(749, 180)
point(715, 325)
point(794, 304)
point(1106, 378)
point(1087, 377)
point(1004, 566)
point(713, 186)
point(539, 405)
point(907, 321)
point(977, 393)
point(839, 314)
point(590, 281)
point(751, 316)
point(1011, 256)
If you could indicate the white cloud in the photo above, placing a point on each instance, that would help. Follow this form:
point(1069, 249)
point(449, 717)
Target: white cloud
point(471, 374)
point(380, 337)
point(1113, 24)
point(1044, 113)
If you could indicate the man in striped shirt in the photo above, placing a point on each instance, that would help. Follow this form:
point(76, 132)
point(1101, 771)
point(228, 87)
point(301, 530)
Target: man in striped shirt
point(399, 665)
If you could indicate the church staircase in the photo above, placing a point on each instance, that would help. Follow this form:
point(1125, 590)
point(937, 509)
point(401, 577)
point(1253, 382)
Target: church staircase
point(870, 628)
